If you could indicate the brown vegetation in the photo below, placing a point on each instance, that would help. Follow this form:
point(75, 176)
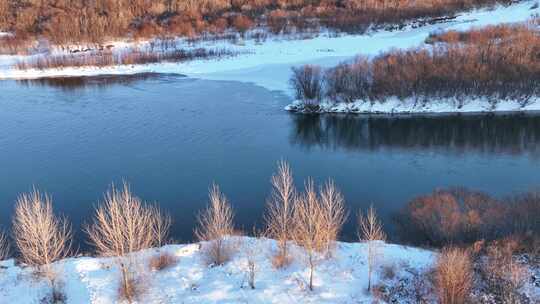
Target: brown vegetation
point(454, 276)
point(109, 58)
point(124, 224)
point(215, 226)
point(279, 216)
point(503, 274)
point(462, 216)
point(495, 62)
point(162, 261)
point(41, 237)
point(64, 21)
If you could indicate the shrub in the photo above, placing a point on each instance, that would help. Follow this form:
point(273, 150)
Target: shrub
point(463, 216)
point(279, 214)
point(41, 237)
point(455, 215)
point(334, 215)
point(162, 261)
point(307, 82)
point(504, 276)
point(317, 221)
point(309, 227)
point(215, 225)
point(123, 224)
point(454, 276)
point(65, 21)
point(495, 63)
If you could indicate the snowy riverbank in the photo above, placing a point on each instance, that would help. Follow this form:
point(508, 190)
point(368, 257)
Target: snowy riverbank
point(340, 279)
point(411, 106)
point(268, 63)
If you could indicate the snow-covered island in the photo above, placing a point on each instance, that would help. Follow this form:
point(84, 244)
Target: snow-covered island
point(394, 105)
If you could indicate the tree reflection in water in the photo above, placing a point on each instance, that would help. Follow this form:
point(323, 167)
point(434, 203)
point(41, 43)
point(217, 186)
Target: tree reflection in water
point(74, 83)
point(508, 134)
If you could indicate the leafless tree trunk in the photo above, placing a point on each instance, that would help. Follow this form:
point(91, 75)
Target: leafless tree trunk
point(4, 246)
point(309, 227)
point(215, 224)
point(333, 212)
point(371, 231)
point(279, 214)
point(41, 237)
point(124, 224)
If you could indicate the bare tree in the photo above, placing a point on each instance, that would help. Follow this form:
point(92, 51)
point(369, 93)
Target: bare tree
point(307, 82)
point(41, 237)
point(279, 214)
point(252, 249)
point(215, 224)
point(309, 227)
point(4, 246)
point(161, 226)
point(333, 212)
point(124, 224)
point(371, 231)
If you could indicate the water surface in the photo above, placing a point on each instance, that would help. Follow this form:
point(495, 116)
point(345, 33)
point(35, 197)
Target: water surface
point(172, 137)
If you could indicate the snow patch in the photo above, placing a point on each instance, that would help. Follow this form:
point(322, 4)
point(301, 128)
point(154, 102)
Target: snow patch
point(412, 106)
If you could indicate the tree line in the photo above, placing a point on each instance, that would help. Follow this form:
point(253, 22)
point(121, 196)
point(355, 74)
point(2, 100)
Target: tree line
point(73, 21)
point(495, 63)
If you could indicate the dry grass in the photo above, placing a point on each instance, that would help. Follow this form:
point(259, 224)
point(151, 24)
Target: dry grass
point(454, 276)
point(124, 224)
point(215, 225)
point(505, 277)
point(162, 261)
point(371, 231)
point(279, 214)
point(109, 58)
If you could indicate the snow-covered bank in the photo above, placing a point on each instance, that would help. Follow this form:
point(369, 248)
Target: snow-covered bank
point(341, 279)
point(411, 106)
point(268, 63)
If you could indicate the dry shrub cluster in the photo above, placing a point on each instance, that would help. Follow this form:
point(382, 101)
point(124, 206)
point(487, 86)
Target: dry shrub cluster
point(109, 58)
point(504, 276)
point(454, 276)
point(279, 214)
point(494, 63)
point(124, 224)
point(318, 218)
point(64, 21)
point(162, 261)
point(42, 238)
point(461, 216)
point(215, 227)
